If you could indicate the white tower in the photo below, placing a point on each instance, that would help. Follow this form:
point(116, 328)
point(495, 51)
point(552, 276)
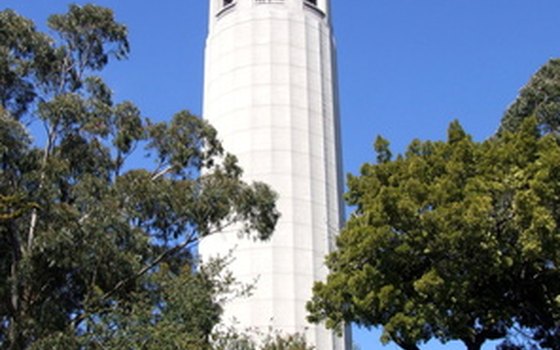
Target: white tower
point(270, 91)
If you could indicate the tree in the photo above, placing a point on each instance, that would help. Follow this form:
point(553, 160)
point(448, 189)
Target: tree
point(454, 240)
point(232, 339)
point(95, 253)
point(539, 98)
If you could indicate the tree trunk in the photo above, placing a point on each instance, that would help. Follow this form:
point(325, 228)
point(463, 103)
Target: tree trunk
point(475, 344)
point(13, 328)
point(14, 333)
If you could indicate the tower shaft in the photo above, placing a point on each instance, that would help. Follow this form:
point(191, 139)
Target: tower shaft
point(270, 91)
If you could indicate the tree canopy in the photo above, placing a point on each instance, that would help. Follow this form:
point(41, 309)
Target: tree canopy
point(454, 240)
point(539, 98)
point(95, 252)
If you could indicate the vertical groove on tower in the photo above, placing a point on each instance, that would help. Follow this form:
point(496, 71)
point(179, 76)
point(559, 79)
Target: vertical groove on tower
point(294, 184)
point(310, 150)
point(328, 115)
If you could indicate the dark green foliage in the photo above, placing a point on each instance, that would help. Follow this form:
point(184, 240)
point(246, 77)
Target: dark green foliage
point(20, 44)
point(93, 252)
point(539, 98)
point(90, 34)
point(381, 147)
point(455, 240)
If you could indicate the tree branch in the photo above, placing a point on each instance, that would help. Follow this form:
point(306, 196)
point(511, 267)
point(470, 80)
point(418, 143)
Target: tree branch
point(162, 173)
point(34, 213)
point(169, 252)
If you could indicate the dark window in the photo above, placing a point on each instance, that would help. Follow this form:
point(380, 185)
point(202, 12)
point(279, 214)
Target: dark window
point(312, 2)
point(228, 2)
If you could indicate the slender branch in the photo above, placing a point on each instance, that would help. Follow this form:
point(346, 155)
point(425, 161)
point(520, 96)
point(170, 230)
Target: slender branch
point(118, 164)
point(85, 315)
point(162, 173)
point(34, 213)
point(522, 333)
point(169, 252)
point(84, 218)
point(51, 139)
point(122, 157)
point(32, 226)
point(65, 69)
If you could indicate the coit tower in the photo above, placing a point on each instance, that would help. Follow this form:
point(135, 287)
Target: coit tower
point(270, 90)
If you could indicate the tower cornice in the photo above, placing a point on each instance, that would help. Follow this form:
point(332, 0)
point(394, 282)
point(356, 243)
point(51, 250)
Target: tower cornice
point(221, 8)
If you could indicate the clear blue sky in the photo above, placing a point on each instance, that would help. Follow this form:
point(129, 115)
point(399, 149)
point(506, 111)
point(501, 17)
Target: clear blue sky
point(407, 67)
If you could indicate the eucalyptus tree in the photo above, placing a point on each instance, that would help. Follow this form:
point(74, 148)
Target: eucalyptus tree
point(96, 252)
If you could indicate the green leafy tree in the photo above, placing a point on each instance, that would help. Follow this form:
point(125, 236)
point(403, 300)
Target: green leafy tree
point(95, 253)
point(232, 339)
point(454, 240)
point(539, 98)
